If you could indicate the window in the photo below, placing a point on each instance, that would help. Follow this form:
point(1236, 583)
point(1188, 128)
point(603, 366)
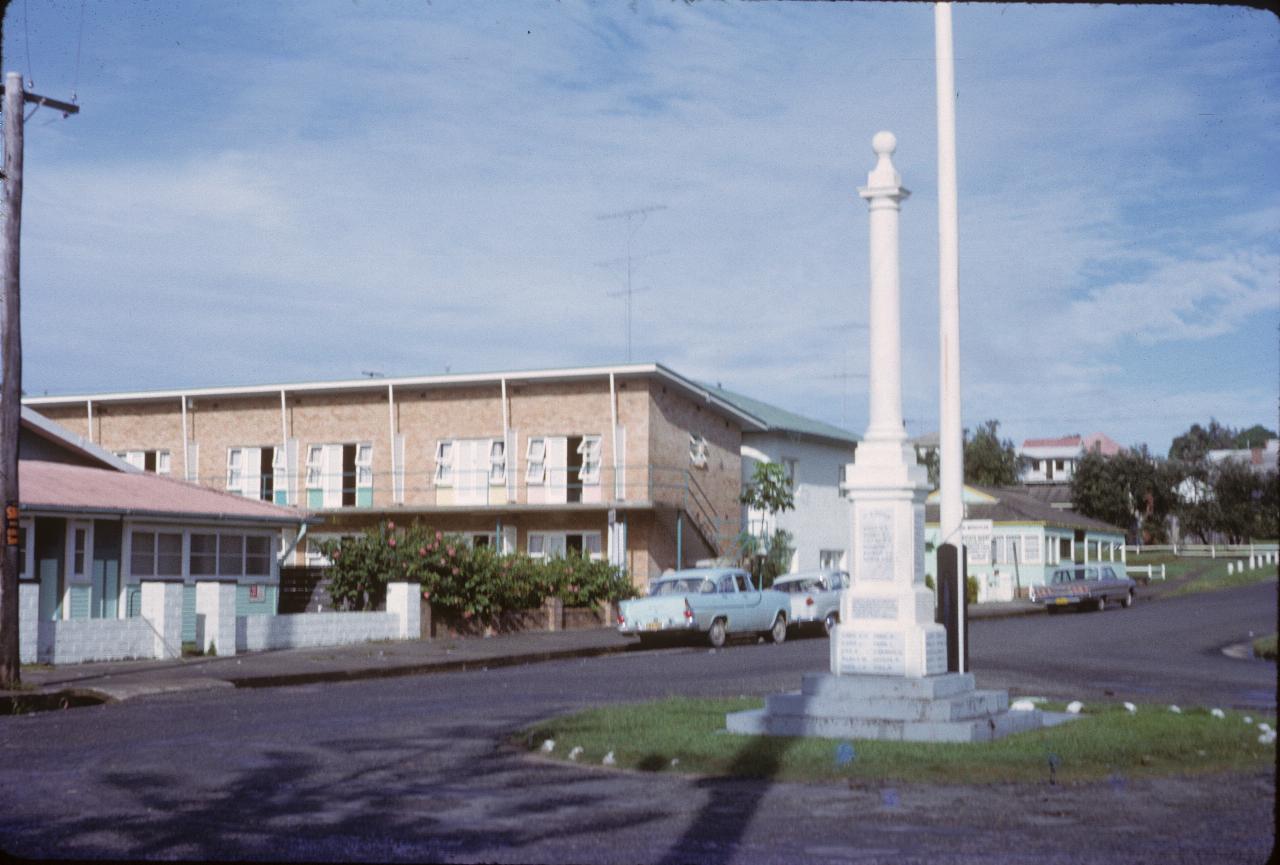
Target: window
point(444, 463)
point(1031, 549)
point(497, 462)
point(231, 555)
point(155, 554)
point(537, 459)
point(315, 466)
point(698, 450)
point(790, 465)
point(157, 461)
point(235, 469)
point(590, 452)
point(481, 539)
point(257, 556)
point(22, 550)
point(364, 465)
point(204, 555)
point(551, 544)
point(78, 551)
point(831, 560)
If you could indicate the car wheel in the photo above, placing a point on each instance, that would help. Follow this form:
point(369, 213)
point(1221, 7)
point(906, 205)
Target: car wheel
point(779, 630)
point(1128, 601)
point(1102, 604)
point(716, 634)
point(830, 622)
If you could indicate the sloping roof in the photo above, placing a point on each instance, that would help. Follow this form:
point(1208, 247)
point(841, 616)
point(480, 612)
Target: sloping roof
point(780, 419)
point(1063, 442)
point(58, 487)
point(1101, 443)
point(1013, 506)
point(38, 425)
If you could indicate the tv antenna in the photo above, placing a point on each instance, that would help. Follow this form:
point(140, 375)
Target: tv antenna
point(635, 218)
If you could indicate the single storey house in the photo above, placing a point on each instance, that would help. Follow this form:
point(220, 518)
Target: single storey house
point(1012, 539)
point(93, 530)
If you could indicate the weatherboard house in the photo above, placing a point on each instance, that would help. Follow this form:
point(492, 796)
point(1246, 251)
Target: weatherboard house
point(112, 558)
point(633, 463)
point(1013, 539)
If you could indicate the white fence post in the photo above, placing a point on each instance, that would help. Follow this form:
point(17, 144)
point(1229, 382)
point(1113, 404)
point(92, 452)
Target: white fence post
point(28, 621)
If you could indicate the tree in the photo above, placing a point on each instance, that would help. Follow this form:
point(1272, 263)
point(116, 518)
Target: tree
point(1255, 436)
point(1100, 490)
point(1133, 490)
point(769, 491)
point(988, 461)
point(1245, 501)
point(1194, 445)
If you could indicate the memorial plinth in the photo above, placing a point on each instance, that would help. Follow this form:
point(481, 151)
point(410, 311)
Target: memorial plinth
point(888, 676)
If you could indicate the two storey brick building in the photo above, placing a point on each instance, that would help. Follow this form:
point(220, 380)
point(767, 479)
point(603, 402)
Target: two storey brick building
point(632, 463)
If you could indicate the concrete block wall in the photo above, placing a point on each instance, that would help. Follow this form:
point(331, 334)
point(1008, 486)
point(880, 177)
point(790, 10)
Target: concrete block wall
point(304, 630)
point(75, 641)
point(216, 617)
point(404, 601)
point(28, 621)
point(162, 607)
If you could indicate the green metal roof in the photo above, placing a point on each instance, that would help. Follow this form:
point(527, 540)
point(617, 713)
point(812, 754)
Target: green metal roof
point(780, 419)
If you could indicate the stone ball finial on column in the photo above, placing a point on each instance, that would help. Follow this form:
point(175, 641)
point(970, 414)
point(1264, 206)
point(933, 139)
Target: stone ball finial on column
point(884, 174)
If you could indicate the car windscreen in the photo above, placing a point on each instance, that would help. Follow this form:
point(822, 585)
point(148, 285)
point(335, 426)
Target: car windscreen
point(682, 586)
point(797, 587)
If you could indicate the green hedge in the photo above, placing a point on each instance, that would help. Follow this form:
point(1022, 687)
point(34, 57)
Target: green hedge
point(459, 580)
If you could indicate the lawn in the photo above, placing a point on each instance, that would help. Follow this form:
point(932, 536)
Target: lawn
point(1217, 578)
point(687, 735)
point(1265, 647)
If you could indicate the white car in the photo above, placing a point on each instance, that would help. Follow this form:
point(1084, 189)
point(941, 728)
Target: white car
point(815, 596)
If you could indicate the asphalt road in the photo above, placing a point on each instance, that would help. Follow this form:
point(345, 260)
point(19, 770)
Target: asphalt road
point(414, 769)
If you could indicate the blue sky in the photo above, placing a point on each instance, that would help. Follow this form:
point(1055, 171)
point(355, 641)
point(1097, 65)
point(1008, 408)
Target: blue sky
point(269, 192)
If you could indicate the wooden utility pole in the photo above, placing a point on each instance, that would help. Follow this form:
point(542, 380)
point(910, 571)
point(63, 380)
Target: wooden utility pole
point(15, 97)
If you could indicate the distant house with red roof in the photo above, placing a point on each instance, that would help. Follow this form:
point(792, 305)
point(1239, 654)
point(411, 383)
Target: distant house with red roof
point(1054, 460)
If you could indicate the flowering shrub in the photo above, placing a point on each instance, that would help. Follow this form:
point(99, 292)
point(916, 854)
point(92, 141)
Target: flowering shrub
point(460, 581)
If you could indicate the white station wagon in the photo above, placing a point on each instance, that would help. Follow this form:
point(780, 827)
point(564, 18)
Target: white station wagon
point(815, 596)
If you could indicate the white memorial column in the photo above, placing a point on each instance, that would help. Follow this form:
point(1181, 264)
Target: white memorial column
point(887, 617)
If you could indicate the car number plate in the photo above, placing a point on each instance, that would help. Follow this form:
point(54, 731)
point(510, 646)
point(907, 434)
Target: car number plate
point(654, 626)
point(1062, 601)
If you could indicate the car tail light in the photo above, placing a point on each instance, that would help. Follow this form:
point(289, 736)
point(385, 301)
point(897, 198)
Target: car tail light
point(808, 602)
point(688, 611)
point(622, 620)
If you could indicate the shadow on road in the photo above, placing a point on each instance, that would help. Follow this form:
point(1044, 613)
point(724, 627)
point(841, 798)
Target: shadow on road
point(716, 831)
point(351, 799)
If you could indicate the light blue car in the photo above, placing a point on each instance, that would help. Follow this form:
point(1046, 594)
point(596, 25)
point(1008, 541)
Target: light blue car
point(718, 602)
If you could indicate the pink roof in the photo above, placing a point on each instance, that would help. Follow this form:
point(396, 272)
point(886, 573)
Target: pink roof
point(1101, 443)
point(67, 487)
point(1065, 442)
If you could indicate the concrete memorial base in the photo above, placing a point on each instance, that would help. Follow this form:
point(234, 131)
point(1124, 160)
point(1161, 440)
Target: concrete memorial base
point(945, 708)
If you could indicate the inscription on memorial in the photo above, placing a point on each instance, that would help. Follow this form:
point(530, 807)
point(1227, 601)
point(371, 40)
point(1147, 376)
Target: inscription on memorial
point(874, 608)
point(874, 653)
point(875, 543)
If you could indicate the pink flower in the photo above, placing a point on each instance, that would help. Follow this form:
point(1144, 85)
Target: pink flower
point(466, 614)
point(426, 595)
point(573, 589)
point(391, 542)
point(439, 536)
point(455, 572)
point(422, 551)
point(391, 527)
point(449, 550)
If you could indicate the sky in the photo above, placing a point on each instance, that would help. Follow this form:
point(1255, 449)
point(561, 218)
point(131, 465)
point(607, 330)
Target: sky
point(263, 193)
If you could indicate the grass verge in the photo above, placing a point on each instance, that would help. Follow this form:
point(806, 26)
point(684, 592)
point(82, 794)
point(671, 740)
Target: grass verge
point(1218, 578)
point(1265, 647)
point(686, 735)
